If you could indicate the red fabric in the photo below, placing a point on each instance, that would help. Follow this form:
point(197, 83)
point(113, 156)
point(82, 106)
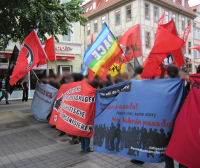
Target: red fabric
point(195, 47)
point(64, 97)
point(130, 42)
point(184, 145)
point(185, 35)
point(177, 54)
point(49, 48)
point(31, 53)
point(160, 22)
point(165, 42)
point(90, 75)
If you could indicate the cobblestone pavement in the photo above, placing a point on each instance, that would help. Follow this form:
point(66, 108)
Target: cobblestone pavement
point(28, 143)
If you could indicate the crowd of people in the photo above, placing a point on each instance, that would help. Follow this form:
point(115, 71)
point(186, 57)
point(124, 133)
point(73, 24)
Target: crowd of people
point(98, 83)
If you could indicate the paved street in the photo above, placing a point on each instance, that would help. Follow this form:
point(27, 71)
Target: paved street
point(26, 142)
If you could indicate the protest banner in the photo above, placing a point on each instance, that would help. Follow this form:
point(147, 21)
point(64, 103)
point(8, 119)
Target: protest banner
point(184, 145)
point(135, 119)
point(43, 100)
point(74, 109)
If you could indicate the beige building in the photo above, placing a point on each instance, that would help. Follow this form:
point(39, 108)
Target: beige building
point(121, 15)
point(196, 25)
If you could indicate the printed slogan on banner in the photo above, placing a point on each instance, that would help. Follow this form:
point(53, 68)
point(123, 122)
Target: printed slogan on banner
point(73, 110)
point(134, 121)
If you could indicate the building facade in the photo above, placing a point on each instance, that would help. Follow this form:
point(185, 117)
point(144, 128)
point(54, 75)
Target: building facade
point(196, 26)
point(68, 55)
point(121, 15)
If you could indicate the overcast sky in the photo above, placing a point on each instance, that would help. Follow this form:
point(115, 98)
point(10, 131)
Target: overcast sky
point(194, 2)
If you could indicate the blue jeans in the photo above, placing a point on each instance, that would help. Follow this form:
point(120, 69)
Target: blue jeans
point(169, 163)
point(85, 144)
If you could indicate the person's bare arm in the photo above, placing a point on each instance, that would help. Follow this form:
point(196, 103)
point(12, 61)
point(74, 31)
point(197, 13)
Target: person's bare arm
point(22, 84)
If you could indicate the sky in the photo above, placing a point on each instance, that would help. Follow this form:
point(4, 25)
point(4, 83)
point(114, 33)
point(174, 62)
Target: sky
point(194, 2)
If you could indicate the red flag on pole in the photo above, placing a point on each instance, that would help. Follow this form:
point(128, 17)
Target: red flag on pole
point(185, 35)
point(178, 58)
point(165, 42)
point(49, 48)
point(184, 145)
point(130, 43)
point(195, 47)
point(31, 53)
point(90, 72)
point(161, 20)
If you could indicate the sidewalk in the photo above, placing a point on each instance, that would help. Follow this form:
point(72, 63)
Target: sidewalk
point(26, 142)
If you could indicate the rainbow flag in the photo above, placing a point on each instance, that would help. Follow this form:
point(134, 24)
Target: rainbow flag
point(103, 52)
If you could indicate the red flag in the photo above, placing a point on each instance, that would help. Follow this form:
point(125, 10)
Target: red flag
point(195, 47)
point(160, 22)
point(178, 58)
point(184, 145)
point(130, 43)
point(49, 48)
point(185, 35)
point(90, 72)
point(75, 116)
point(165, 42)
point(31, 53)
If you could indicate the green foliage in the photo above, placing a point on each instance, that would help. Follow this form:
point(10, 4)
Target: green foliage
point(19, 17)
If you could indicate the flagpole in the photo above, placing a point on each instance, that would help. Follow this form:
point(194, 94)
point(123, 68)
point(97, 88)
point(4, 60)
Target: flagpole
point(187, 68)
point(51, 65)
point(129, 62)
point(56, 66)
point(36, 75)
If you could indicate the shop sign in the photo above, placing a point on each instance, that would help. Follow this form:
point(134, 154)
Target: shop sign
point(63, 48)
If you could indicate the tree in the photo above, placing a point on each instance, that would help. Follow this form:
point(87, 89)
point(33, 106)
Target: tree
point(19, 17)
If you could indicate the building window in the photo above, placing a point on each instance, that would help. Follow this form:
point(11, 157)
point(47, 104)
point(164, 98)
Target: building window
point(166, 16)
point(198, 34)
point(117, 17)
point(183, 23)
point(117, 38)
point(198, 18)
point(147, 14)
point(189, 21)
point(95, 26)
point(88, 28)
point(67, 37)
point(94, 5)
point(147, 39)
point(174, 18)
point(88, 46)
point(189, 68)
point(156, 14)
point(189, 45)
point(195, 33)
point(183, 3)
point(195, 53)
point(128, 13)
point(103, 20)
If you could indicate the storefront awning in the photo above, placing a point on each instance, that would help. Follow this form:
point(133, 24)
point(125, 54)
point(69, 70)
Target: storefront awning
point(5, 54)
point(64, 58)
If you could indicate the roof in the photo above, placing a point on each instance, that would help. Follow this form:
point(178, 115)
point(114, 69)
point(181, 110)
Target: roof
point(195, 7)
point(178, 4)
point(102, 4)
